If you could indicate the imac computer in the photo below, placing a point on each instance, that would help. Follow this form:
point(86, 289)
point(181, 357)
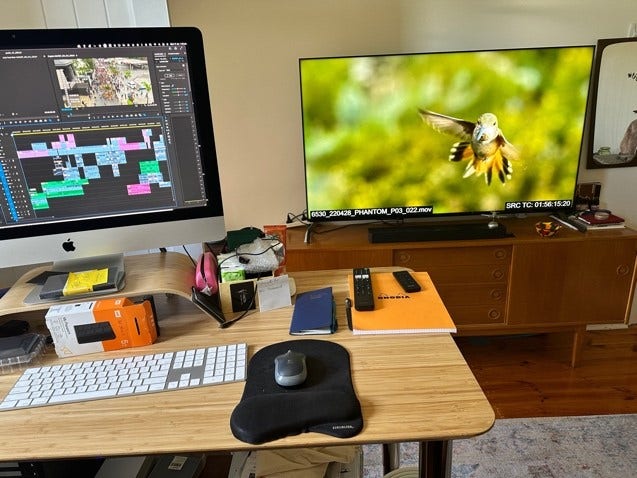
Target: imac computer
point(106, 143)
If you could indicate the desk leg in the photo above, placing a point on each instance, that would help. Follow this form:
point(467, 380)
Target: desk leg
point(391, 457)
point(435, 459)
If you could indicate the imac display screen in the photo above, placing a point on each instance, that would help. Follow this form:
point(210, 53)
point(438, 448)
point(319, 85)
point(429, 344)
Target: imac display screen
point(106, 142)
point(451, 133)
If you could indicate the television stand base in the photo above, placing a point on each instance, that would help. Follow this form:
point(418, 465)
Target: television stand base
point(437, 232)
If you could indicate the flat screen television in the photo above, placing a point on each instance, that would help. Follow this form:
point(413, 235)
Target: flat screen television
point(106, 143)
point(443, 134)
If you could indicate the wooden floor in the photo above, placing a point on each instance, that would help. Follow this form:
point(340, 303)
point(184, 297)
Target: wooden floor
point(530, 375)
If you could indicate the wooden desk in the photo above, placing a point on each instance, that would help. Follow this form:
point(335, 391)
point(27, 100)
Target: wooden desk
point(411, 388)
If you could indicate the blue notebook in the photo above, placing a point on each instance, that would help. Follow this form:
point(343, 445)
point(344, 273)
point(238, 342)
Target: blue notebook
point(314, 313)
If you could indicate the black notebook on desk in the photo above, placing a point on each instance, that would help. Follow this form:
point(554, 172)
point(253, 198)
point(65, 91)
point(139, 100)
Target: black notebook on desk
point(314, 313)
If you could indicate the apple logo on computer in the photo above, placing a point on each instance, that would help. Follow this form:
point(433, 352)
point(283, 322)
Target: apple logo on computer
point(68, 245)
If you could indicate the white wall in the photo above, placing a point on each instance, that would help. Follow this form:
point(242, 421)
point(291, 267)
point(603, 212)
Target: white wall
point(252, 50)
point(450, 24)
point(82, 13)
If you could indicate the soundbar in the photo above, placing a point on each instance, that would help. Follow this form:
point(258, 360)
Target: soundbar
point(436, 232)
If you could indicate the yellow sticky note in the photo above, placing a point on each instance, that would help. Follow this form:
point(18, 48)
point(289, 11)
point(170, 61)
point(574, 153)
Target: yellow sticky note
point(83, 282)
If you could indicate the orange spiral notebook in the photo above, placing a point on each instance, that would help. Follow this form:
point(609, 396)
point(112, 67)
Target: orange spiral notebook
point(399, 312)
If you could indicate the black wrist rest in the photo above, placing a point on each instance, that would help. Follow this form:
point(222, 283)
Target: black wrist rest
point(324, 403)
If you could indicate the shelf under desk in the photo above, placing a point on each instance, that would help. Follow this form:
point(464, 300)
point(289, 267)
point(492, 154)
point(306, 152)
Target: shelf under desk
point(412, 387)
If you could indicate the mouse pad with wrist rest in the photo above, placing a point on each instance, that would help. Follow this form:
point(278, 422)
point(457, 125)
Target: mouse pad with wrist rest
point(324, 403)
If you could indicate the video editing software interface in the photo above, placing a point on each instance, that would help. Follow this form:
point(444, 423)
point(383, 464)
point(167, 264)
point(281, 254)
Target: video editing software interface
point(96, 130)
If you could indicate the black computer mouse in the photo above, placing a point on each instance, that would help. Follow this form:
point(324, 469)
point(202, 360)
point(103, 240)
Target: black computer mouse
point(290, 369)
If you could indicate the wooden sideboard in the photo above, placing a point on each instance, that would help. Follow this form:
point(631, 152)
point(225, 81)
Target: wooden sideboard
point(519, 284)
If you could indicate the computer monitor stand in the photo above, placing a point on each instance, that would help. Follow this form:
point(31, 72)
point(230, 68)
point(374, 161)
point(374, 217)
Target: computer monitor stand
point(110, 262)
point(159, 273)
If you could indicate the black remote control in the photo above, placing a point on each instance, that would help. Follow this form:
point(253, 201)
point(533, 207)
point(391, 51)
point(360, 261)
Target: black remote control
point(363, 293)
point(406, 281)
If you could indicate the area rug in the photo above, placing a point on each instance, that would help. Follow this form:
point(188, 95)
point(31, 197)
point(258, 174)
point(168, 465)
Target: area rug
point(560, 447)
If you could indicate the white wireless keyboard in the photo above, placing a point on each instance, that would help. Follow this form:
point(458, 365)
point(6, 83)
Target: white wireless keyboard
point(133, 375)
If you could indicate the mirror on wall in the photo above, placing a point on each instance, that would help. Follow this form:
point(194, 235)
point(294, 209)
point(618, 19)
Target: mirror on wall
point(613, 142)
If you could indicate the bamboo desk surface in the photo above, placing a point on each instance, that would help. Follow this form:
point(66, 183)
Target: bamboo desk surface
point(411, 388)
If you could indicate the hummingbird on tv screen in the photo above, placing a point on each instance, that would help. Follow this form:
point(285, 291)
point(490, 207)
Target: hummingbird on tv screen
point(482, 144)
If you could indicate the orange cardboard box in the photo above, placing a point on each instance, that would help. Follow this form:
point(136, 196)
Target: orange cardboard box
point(100, 325)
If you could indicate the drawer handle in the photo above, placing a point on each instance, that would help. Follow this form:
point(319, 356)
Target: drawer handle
point(497, 274)
point(623, 270)
point(404, 257)
point(500, 254)
point(496, 294)
point(494, 314)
